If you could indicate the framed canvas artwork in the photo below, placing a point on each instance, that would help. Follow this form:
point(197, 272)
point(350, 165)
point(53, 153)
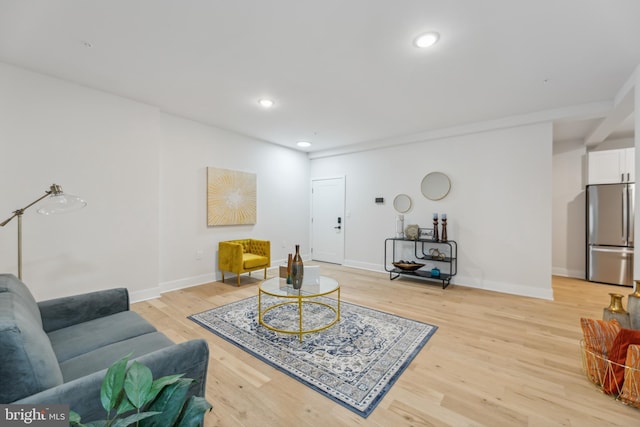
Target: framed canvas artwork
point(231, 197)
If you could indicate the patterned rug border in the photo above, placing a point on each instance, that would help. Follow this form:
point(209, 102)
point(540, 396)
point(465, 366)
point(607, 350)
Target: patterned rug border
point(374, 403)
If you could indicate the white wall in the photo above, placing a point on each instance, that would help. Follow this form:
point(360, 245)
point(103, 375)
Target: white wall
point(101, 147)
point(568, 220)
point(499, 207)
point(143, 174)
point(282, 207)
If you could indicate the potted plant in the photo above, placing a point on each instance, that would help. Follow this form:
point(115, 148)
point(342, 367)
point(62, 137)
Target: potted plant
point(130, 396)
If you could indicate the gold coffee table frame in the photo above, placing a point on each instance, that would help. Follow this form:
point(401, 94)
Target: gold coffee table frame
point(277, 287)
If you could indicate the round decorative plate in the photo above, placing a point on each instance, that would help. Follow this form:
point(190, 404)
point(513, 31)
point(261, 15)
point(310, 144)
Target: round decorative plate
point(412, 231)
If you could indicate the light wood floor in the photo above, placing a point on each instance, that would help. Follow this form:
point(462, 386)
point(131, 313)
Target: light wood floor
point(496, 359)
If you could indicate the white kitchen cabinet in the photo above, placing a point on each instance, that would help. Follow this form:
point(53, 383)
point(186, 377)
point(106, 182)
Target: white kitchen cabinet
point(611, 166)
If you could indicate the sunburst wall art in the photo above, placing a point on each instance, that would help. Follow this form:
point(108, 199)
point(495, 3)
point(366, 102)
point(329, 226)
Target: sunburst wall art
point(231, 197)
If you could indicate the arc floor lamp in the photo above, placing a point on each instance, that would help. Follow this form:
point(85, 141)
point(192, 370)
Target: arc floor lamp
point(57, 202)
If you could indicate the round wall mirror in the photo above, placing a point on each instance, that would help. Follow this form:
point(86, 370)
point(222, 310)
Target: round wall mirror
point(402, 203)
point(435, 185)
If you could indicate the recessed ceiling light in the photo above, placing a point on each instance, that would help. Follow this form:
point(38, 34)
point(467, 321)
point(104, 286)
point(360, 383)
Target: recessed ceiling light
point(266, 103)
point(304, 144)
point(426, 39)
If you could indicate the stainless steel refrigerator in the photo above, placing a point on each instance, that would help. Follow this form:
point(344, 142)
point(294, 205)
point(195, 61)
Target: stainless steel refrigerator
point(610, 213)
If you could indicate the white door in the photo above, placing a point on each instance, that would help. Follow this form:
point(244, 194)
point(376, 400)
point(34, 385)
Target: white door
point(327, 220)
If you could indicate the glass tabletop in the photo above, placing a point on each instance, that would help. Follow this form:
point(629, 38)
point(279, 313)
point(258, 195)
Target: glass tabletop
point(277, 286)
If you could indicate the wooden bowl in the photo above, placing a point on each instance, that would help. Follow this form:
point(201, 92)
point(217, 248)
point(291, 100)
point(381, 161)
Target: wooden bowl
point(408, 266)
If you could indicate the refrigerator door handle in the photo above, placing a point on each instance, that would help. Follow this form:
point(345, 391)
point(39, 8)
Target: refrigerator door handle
point(625, 216)
point(631, 215)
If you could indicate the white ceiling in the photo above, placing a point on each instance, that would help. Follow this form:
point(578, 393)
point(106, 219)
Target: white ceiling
point(342, 72)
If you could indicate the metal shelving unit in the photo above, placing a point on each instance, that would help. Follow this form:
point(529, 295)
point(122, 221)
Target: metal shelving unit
point(421, 252)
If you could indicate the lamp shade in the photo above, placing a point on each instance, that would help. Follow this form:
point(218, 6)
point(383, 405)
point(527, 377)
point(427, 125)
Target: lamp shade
point(59, 202)
point(62, 203)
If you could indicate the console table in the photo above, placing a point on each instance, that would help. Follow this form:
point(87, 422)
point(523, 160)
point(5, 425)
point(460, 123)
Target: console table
point(448, 264)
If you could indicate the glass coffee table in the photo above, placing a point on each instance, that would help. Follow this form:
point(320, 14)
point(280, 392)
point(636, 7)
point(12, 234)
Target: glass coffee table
point(308, 296)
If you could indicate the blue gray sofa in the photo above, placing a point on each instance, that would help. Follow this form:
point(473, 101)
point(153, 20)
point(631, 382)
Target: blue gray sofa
point(57, 351)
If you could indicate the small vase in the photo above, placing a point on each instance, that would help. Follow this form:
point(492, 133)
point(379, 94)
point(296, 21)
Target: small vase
point(289, 260)
point(616, 311)
point(633, 305)
point(297, 269)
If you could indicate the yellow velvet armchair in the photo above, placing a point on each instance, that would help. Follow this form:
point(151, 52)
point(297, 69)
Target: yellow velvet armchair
point(244, 256)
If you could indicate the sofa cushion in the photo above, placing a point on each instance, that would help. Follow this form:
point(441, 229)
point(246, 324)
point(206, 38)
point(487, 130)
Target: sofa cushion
point(630, 393)
point(88, 336)
point(259, 247)
point(253, 261)
point(618, 355)
point(103, 357)
point(10, 283)
point(28, 363)
point(598, 338)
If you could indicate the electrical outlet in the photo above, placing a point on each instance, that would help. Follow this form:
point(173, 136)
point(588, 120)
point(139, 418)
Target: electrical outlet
point(199, 254)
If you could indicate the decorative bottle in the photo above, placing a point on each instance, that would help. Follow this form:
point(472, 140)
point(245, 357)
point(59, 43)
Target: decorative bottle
point(289, 260)
point(633, 305)
point(297, 269)
point(616, 311)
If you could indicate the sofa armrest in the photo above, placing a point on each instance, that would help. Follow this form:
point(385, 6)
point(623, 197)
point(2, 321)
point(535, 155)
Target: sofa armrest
point(83, 394)
point(230, 256)
point(67, 311)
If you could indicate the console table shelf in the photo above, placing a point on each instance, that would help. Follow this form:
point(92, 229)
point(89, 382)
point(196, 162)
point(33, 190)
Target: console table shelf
point(421, 251)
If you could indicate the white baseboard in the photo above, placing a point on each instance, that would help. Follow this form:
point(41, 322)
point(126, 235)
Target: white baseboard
point(173, 285)
point(505, 288)
point(470, 282)
point(144, 295)
point(564, 272)
point(364, 266)
point(188, 282)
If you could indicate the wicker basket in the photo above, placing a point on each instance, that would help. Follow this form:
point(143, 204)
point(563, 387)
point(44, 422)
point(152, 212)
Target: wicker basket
point(600, 370)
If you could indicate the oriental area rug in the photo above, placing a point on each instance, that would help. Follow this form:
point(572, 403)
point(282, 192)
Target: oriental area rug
point(355, 362)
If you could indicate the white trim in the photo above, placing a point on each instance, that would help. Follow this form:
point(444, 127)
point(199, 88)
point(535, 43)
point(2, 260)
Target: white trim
point(469, 282)
point(187, 282)
point(144, 295)
point(363, 266)
point(506, 288)
point(564, 272)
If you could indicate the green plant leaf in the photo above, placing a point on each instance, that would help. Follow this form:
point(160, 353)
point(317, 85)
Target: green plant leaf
point(74, 418)
point(112, 384)
point(124, 406)
point(161, 383)
point(193, 412)
point(101, 423)
point(169, 402)
point(124, 422)
point(137, 384)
